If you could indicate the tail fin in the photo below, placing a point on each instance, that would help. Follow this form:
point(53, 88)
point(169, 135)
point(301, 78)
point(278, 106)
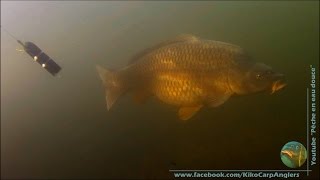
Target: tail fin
point(113, 86)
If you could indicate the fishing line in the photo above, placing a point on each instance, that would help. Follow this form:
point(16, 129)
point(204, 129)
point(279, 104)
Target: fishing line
point(37, 55)
point(11, 35)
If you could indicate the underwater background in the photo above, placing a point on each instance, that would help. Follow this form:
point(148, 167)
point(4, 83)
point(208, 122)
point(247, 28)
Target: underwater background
point(59, 127)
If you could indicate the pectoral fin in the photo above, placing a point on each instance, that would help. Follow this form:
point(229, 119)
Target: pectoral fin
point(186, 113)
point(217, 100)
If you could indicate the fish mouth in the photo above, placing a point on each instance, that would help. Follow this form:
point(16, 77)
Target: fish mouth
point(288, 153)
point(277, 85)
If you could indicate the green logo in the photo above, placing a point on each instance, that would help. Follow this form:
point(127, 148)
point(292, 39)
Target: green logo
point(293, 154)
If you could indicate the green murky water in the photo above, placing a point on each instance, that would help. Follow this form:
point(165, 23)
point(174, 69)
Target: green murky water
point(59, 127)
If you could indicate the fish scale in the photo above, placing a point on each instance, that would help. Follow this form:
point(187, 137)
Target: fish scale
point(189, 72)
point(181, 68)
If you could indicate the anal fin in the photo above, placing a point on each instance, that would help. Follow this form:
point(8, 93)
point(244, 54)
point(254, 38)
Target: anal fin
point(186, 113)
point(218, 99)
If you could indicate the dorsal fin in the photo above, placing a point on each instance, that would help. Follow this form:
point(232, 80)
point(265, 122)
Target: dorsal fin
point(179, 38)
